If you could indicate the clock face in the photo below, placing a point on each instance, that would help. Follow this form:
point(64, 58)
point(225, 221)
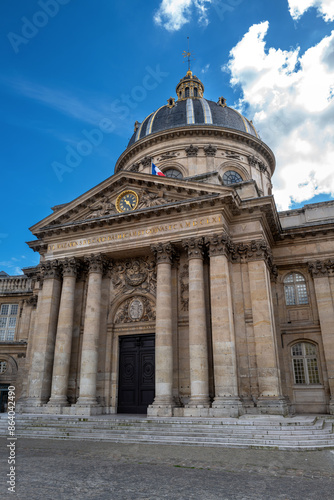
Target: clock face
point(127, 201)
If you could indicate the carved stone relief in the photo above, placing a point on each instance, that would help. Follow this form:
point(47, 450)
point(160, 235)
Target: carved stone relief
point(102, 207)
point(135, 275)
point(148, 199)
point(135, 309)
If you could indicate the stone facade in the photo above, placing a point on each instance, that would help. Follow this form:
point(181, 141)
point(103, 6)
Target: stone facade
point(240, 298)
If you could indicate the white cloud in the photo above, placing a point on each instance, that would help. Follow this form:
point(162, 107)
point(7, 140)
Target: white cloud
point(173, 14)
point(206, 68)
point(324, 7)
point(290, 98)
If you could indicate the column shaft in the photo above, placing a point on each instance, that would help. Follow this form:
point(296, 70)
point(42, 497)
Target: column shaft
point(198, 342)
point(223, 336)
point(61, 365)
point(89, 352)
point(45, 334)
point(163, 402)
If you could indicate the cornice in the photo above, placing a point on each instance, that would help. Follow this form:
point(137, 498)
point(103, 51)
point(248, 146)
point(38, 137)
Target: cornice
point(215, 199)
point(196, 131)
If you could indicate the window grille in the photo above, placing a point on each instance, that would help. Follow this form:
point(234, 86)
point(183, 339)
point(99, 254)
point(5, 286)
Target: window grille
point(231, 177)
point(8, 317)
point(295, 289)
point(305, 363)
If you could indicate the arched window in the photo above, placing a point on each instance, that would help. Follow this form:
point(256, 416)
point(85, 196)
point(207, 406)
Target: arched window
point(195, 92)
point(3, 366)
point(305, 363)
point(187, 92)
point(173, 172)
point(295, 289)
point(231, 177)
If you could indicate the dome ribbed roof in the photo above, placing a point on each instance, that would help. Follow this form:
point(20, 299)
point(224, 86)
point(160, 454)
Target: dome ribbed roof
point(191, 109)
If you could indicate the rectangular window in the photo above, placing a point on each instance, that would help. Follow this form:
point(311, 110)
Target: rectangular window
point(299, 372)
point(8, 317)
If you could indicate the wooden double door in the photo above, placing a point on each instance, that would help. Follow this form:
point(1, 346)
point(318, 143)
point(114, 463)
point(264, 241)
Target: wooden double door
point(136, 387)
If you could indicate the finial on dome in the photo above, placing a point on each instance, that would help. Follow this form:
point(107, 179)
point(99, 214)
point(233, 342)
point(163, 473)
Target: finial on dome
point(187, 54)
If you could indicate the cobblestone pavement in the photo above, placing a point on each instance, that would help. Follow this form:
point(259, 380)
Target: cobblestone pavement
point(64, 470)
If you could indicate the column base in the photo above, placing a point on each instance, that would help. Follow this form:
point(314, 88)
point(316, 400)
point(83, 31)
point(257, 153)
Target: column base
point(331, 406)
point(160, 410)
point(86, 410)
point(192, 411)
point(31, 405)
point(272, 406)
point(226, 407)
point(58, 401)
point(198, 402)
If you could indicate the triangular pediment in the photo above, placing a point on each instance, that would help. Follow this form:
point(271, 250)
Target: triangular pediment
point(102, 201)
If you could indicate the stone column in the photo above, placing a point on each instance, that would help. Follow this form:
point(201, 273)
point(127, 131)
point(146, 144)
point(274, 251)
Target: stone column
point(45, 334)
point(226, 401)
point(323, 274)
point(61, 364)
point(270, 399)
point(87, 403)
point(163, 402)
point(198, 342)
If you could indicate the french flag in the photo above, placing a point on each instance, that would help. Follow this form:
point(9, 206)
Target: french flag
point(156, 171)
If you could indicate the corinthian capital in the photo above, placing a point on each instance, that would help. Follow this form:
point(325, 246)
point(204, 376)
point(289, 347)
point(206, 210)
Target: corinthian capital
point(219, 244)
point(194, 247)
point(164, 252)
point(70, 267)
point(319, 268)
point(98, 263)
point(50, 270)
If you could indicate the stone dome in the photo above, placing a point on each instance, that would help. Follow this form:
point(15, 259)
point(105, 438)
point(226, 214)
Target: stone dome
point(191, 108)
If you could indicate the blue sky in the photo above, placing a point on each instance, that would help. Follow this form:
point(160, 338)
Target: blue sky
point(76, 70)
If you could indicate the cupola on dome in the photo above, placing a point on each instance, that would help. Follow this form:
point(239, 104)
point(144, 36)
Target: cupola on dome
point(191, 108)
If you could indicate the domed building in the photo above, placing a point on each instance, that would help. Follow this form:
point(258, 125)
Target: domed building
point(180, 294)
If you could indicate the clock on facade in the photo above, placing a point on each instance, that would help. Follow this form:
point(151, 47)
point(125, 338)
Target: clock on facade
point(127, 201)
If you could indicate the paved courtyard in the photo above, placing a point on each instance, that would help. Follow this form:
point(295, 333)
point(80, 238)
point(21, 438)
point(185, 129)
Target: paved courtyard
point(57, 469)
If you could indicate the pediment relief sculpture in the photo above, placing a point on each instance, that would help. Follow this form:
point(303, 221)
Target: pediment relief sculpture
point(102, 207)
point(148, 199)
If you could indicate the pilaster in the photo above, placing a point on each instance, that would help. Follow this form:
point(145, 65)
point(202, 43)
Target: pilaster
point(323, 278)
point(226, 401)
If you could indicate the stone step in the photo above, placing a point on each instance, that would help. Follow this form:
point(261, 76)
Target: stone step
point(312, 434)
point(227, 442)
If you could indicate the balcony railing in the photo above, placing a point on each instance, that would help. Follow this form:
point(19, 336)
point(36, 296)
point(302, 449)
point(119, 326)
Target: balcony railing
point(17, 284)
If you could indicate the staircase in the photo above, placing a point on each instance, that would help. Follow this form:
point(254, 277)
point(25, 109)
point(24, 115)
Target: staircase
point(294, 433)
